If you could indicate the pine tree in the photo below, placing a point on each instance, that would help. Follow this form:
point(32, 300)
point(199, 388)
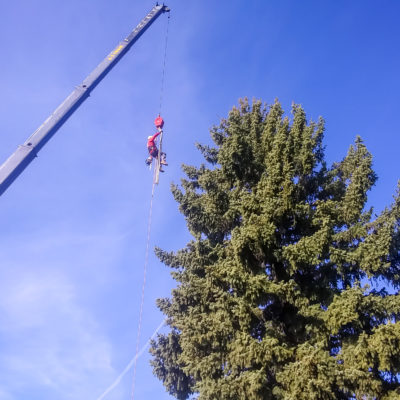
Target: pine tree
point(281, 293)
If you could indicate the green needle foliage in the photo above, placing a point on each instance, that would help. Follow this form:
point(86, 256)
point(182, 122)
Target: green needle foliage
point(272, 300)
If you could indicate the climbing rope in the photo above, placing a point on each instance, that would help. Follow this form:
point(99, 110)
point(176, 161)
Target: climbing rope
point(146, 261)
point(155, 181)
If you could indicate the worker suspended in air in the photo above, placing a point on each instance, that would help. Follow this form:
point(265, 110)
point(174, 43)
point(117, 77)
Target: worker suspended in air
point(152, 147)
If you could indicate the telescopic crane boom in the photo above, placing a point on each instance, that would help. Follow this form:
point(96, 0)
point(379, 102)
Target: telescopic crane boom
point(26, 152)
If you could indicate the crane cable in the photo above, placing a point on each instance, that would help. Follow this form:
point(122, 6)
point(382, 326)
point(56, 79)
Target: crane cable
point(165, 59)
point(146, 260)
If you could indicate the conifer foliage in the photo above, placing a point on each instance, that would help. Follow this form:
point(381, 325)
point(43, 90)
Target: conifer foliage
point(272, 298)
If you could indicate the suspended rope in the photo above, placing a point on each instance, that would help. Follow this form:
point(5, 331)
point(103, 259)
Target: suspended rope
point(164, 63)
point(146, 261)
point(155, 181)
point(129, 366)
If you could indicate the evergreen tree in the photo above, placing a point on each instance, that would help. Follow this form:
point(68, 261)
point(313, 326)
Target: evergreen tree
point(272, 300)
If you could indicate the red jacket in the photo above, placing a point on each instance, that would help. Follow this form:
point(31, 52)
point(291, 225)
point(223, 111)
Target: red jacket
point(150, 142)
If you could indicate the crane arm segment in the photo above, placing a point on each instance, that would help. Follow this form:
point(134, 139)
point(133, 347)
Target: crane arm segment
point(26, 152)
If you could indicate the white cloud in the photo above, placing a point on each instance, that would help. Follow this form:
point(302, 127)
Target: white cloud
point(51, 340)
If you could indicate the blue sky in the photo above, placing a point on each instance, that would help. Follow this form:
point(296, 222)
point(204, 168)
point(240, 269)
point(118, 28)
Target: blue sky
point(74, 223)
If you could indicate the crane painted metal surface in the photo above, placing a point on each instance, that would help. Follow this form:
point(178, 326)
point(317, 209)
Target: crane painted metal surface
point(26, 152)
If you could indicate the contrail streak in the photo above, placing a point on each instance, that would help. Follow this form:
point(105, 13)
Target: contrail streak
point(129, 366)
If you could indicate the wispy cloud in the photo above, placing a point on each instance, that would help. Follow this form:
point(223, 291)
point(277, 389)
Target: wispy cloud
point(50, 335)
point(51, 340)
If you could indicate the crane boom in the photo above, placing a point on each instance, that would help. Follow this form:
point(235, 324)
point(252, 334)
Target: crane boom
point(26, 152)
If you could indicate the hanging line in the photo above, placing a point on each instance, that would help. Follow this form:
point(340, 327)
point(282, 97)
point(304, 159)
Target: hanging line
point(165, 59)
point(156, 170)
point(129, 366)
point(158, 164)
point(146, 261)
